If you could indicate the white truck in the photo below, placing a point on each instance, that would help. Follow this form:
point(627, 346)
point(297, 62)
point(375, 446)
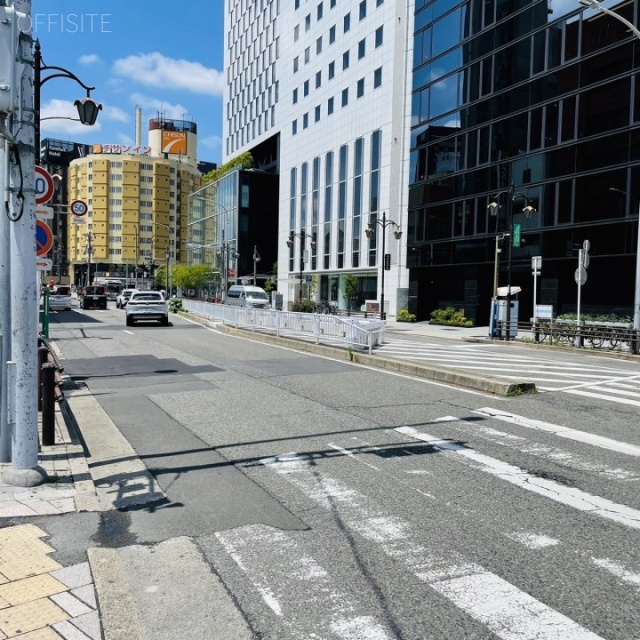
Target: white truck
point(147, 305)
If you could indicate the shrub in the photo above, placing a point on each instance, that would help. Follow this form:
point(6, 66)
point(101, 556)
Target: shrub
point(304, 306)
point(450, 317)
point(175, 305)
point(405, 316)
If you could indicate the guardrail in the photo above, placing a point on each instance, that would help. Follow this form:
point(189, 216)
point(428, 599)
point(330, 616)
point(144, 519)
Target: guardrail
point(356, 332)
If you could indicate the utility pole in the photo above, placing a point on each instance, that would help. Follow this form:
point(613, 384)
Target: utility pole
point(256, 259)
point(89, 252)
point(24, 295)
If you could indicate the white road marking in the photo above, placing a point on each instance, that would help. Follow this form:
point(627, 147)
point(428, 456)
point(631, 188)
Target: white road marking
point(569, 496)
point(602, 396)
point(533, 540)
point(618, 570)
point(129, 332)
point(299, 583)
point(563, 432)
point(504, 609)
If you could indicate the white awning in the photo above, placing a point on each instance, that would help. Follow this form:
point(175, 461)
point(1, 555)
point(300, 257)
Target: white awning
point(504, 291)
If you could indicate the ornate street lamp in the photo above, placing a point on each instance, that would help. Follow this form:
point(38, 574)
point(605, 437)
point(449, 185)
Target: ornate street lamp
point(303, 236)
point(386, 266)
point(528, 210)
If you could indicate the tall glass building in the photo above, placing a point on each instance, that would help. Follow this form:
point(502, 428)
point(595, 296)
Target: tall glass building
point(523, 103)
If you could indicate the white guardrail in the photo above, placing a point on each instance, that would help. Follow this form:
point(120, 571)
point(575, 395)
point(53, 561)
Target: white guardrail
point(357, 332)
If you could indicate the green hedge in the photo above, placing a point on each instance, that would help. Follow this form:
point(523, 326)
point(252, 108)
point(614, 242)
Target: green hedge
point(450, 317)
point(405, 316)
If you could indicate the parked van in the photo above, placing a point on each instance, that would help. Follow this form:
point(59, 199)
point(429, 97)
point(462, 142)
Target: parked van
point(245, 296)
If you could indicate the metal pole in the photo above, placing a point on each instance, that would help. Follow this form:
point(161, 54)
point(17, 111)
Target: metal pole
point(384, 225)
point(636, 300)
point(510, 211)
point(301, 262)
point(255, 254)
point(37, 66)
point(579, 290)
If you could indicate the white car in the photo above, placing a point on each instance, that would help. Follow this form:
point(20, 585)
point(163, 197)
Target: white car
point(123, 298)
point(60, 298)
point(147, 305)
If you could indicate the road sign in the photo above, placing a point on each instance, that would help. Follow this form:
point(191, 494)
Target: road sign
point(46, 213)
point(44, 238)
point(580, 276)
point(516, 235)
point(44, 264)
point(586, 245)
point(585, 259)
point(44, 186)
point(79, 208)
point(387, 262)
point(536, 263)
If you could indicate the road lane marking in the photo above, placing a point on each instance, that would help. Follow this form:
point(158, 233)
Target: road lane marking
point(563, 432)
point(618, 570)
point(568, 496)
point(508, 612)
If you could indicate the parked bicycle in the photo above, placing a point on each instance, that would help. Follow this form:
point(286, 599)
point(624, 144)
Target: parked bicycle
point(324, 306)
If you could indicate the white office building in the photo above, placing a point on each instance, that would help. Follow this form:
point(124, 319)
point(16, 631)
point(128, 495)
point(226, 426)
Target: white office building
point(319, 91)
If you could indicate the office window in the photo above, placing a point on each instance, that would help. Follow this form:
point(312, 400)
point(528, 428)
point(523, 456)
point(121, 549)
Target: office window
point(379, 2)
point(377, 77)
point(363, 10)
point(332, 34)
point(332, 4)
point(307, 22)
point(307, 55)
point(296, 4)
point(345, 97)
point(332, 70)
point(318, 79)
point(305, 120)
point(329, 106)
point(319, 45)
point(320, 11)
point(378, 37)
point(347, 23)
point(305, 88)
point(345, 60)
point(295, 96)
point(361, 49)
point(294, 127)
point(317, 113)
point(360, 88)
point(296, 62)
point(296, 33)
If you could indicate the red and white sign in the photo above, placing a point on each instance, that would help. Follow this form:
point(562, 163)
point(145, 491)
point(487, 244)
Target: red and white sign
point(79, 208)
point(44, 186)
point(44, 238)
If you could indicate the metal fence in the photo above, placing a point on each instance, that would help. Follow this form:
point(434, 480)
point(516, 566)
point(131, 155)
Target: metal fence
point(360, 333)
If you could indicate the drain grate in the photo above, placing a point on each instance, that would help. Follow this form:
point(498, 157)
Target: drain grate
point(71, 385)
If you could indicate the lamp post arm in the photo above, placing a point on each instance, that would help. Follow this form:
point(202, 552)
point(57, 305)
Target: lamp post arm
point(65, 73)
point(594, 4)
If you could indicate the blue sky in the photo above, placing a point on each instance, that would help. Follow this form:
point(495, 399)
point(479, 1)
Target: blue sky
point(166, 57)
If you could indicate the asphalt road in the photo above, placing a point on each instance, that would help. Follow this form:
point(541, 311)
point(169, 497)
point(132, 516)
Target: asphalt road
point(329, 500)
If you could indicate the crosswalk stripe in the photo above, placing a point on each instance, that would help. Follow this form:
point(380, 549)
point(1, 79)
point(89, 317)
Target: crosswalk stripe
point(569, 496)
point(562, 432)
point(602, 396)
point(618, 570)
point(505, 610)
point(304, 582)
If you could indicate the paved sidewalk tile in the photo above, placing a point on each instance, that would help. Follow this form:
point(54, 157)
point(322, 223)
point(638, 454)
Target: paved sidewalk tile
point(30, 616)
point(29, 589)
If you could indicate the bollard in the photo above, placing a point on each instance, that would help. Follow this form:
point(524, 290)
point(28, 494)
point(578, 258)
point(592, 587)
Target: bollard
point(43, 356)
point(48, 404)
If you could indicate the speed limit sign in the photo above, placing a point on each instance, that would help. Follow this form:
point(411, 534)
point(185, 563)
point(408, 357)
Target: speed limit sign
point(79, 207)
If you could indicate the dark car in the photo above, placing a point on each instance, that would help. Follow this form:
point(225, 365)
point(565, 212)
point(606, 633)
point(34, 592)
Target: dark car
point(93, 297)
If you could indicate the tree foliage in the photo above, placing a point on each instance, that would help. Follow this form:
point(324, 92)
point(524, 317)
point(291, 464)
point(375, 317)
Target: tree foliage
point(191, 276)
point(350, 288)
point(244, 161)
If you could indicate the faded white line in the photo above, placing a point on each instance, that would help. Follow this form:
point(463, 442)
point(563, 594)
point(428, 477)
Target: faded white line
point(533, 540)
point(297, 583)
point(618, 570)
point(127, 331)
point(504, 609)
point(563, 432)
point(569, 496)
point(601, 396)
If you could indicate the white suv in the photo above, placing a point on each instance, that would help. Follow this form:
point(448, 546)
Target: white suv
point(147, 305)
point(123, 298)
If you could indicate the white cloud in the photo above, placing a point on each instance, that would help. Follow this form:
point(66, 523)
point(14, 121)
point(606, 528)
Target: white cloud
point(90, 58)
point(116, 113)
point(62, 111)
point(156, 70)
point(154, 106)
point(210, 142)
point(124, 138)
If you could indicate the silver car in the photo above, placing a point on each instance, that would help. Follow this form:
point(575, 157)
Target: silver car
point(60, 298)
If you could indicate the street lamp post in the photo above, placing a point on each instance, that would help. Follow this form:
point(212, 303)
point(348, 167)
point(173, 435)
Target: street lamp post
point(386, 263)
point(256, 259)
point(87, 108)
point(168, 256)
point(528, 210)
point(303, 235)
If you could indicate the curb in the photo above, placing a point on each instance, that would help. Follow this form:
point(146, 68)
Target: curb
point(429, 372)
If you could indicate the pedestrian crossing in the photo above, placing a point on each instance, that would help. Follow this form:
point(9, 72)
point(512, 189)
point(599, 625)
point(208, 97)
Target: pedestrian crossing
point(612, 382)
point(489, 583)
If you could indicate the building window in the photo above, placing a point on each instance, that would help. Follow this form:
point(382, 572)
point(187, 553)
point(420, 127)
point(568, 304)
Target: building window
point(305, 120)
point(360, 88)
point(307, 55)
point(332, 4)
point(296, 62)
point(296, 4)
point(345, 97)
point(332, 34)
point(305, 88)
point(377, 77)
point(378, 37)
point(307, 22)
point(329, 106)
point(295, 96)
point(294, 127)
point(332, 70)
point(319, 45)
point(363, 10)
point(317, 113)
point(345, 60)
point(318, 79)
point(320, 11)
point(361, 49)
point(347, 23)
point(296, 33)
